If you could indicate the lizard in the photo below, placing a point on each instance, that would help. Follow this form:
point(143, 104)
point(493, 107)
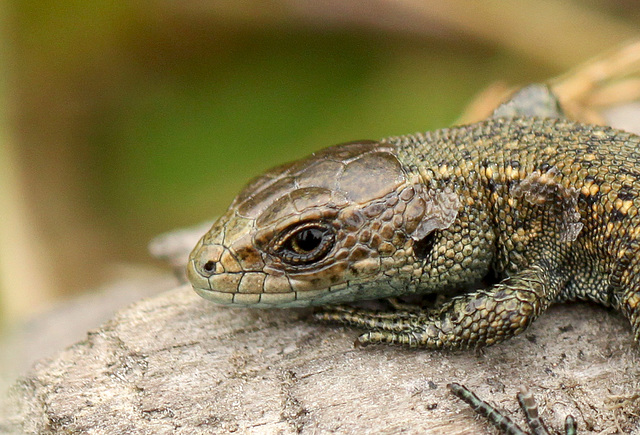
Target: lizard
point(542, 207)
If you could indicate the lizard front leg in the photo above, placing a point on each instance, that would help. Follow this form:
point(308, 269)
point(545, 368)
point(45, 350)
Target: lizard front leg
point(477, 319)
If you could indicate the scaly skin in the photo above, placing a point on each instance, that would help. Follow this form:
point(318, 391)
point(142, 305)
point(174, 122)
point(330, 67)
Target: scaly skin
point(547, 208)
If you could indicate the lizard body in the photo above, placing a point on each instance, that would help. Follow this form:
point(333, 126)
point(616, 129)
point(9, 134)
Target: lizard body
point(545, 207)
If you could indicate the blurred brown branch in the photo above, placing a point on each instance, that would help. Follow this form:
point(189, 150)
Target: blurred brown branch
point(558, 33)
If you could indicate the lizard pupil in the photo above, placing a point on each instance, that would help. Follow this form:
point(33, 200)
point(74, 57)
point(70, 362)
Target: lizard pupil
point(305, 244)
point(307, 240)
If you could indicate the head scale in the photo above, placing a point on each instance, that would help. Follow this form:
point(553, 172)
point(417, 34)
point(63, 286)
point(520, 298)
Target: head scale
point(320, 230)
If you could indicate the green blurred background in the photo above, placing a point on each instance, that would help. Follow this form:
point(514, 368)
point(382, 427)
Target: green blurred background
point(122, 120)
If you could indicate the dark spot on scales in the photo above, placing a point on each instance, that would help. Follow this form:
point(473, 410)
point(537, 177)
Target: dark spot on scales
point(491, 185)
point(586, 164)
point(589, 199)
point(626, 193)
point(616, 215)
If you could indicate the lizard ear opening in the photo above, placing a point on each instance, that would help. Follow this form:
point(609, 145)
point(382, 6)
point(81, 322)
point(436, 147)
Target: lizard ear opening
point(422, 247)
point(440, 211)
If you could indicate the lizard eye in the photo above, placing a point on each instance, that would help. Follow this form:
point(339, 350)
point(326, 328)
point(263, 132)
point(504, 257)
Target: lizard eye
point(305, 243)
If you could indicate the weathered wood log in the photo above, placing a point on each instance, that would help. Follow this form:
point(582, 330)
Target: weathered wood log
point(175, 363)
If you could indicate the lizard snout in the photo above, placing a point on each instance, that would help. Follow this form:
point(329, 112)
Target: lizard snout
point(206, 259)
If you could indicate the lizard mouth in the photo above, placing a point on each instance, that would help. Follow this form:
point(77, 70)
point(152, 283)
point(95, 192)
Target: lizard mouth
point(288, 299)
point(291, 298)
point(258, 300)
point(204, 285)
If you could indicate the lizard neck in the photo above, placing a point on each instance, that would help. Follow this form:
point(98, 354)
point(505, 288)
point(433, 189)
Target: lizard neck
point(462, 255)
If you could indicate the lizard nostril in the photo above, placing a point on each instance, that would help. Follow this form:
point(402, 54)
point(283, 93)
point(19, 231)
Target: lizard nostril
point(209, 267)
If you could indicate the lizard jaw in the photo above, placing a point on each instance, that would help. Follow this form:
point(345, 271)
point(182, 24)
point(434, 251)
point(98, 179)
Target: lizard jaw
point(293, 299)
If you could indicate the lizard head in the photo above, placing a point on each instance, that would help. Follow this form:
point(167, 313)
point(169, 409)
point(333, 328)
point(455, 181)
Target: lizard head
point(337, 226)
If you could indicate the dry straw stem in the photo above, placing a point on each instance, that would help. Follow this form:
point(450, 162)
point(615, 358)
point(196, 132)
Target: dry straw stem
point(610, 69)
point(606, 81)
point(585, 92)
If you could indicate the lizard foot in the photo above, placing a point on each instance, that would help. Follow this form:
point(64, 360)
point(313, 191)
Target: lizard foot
point(384, 320)
point(504, 423)
point(398, 327)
